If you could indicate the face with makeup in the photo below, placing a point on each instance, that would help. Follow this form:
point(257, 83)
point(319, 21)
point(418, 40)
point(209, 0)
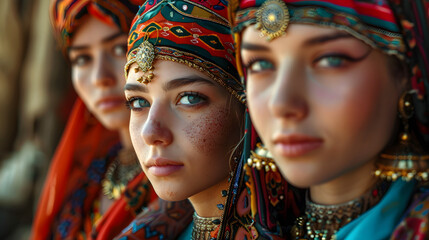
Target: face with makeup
point(184, 127)
point(97, 54)
point(323, 102)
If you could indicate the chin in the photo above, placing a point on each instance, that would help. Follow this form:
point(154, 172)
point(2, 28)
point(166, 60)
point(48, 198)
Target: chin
point(299, 176)
point(299, 183)
point(168, 195)
point(167, 189)
point(114, 122)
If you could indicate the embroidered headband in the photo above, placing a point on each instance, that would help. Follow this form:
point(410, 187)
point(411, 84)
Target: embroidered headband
point(396, 27)
point(66, 15)
point(192, 32)
point(373, 23)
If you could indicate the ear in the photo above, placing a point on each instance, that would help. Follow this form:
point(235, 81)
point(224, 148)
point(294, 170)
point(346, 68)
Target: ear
point(403, 84)
point(400, 72)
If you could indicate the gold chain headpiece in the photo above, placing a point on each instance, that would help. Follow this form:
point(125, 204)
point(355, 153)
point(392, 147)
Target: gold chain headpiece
point(143, 55)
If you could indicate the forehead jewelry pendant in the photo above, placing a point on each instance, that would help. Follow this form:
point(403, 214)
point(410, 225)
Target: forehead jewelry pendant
point(272, 19)
point(143, 56)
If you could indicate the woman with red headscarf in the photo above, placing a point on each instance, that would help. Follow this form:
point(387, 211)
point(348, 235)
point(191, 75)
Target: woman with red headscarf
point(95, 185)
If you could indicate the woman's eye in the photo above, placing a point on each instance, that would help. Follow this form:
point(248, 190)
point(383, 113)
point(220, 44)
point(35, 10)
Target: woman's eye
point(331, 61)
point(137, 104)
point(259, 66)
point(190, 99)
point(81, 60)
point(120, 50)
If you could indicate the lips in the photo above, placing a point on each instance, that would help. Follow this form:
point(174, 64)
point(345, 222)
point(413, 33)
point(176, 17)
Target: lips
point(295, 145)
point(110, 103)
point(162, 167)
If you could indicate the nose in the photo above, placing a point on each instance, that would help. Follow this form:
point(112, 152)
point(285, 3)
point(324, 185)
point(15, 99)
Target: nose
point(103, 72)
point(288, 99)
point(156, 131)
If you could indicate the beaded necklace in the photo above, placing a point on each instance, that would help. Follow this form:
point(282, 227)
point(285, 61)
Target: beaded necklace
point(321, 222)
point(122, 170)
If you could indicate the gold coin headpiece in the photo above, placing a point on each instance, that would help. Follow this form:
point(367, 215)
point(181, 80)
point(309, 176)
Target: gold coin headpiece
point(272, 19)
point(143, 55)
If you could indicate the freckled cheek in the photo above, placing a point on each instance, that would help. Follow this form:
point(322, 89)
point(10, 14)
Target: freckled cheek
point(209, 131)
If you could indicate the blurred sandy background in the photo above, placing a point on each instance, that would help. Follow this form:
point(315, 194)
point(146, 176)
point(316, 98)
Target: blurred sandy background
point(35, 99)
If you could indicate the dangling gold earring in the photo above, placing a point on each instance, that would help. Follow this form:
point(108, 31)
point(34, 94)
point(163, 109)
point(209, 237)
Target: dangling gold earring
point(261, 158)
point(405, 159)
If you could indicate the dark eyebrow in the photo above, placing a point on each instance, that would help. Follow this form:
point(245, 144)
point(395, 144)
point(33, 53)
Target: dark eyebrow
point(326, 38)
point(113, 37)
point(175, 83)
point(253, 47)
point(183, 81)
point(104, 40)
point(313, 41)
point(137, 87)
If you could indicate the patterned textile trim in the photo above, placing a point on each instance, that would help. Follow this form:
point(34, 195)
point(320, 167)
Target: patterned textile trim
point(67, 15)
point(415, 224)
point(273, 203)
point(236, 218)
point(387, 41)
point(80, 217)
point(161, 220)
point(413, 17)
point(138, 196)
point(72, 219)
point(249, 215)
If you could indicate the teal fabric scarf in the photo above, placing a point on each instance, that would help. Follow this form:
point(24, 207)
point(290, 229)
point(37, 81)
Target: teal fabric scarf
point(187, 234)
point(380, 221)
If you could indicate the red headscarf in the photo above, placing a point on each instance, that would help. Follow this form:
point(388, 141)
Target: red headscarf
point(81, 142)
point(84, 138)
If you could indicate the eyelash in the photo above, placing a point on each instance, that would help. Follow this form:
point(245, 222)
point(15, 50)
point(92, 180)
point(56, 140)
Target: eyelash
point(191, 93)
point(248, 64)
point(74, 61)
point(122, 47)
point(251, 61)
point(337, 55)
point(345, 57)
point(129, 102)
point(129, 105)
point(87, 57)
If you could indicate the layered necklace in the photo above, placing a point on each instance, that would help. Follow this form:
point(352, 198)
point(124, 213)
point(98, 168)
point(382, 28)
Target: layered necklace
point(203, 228)
point(208, 228)
point(321, 222)
point(120, 172)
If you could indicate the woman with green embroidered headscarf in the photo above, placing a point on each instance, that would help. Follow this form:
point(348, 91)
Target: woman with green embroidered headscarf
point(187, 115)
point(337, 91)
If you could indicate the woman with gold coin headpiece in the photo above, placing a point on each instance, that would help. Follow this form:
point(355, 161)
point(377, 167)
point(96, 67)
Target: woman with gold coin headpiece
point(338, 93)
